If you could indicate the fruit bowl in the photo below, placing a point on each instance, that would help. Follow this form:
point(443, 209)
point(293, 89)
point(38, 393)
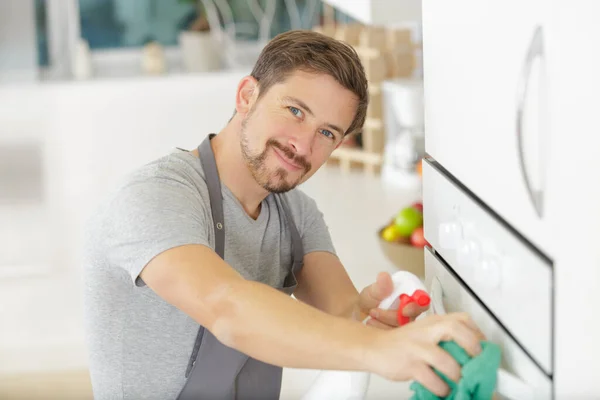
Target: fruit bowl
point(403, 255)
point(402, 240)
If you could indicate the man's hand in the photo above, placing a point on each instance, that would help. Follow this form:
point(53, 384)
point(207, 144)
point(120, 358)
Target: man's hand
point(374, 294)
point(412, 352)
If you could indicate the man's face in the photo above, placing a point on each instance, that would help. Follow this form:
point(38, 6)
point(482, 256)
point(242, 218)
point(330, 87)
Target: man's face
point(292, 129)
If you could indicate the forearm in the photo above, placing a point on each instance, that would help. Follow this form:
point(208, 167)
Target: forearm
point(353, 310)
point(276, 329)
point(325, 284)
point(255, 318)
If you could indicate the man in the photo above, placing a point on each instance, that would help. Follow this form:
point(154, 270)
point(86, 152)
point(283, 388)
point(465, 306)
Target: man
point(192, 261)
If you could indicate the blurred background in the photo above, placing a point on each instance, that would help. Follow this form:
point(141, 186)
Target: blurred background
point(114, 33)
point(91, 89)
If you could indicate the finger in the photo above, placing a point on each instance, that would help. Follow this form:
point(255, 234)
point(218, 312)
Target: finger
point(466, 319)
point(375, 293)
point(441, 360)
point(457, 330)
point(413, 310)
point(389, 317)
point(428, 378)
point(382, 288)
point(376, 324)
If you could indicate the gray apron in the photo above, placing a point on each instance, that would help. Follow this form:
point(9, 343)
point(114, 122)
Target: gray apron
point(216, 371)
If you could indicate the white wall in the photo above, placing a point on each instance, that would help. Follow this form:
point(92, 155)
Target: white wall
point(91, 134)
point(18, 51)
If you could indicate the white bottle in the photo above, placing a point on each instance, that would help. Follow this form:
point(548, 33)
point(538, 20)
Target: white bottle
point(82, 60)
point(353, 385)
point(153, 59)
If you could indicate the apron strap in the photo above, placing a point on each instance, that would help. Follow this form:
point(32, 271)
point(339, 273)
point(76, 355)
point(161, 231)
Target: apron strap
point(297, 247)
point(213, 183)
point(209, 164)
point(218, 377)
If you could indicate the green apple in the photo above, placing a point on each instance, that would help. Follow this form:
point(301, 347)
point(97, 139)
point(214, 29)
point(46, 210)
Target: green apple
point(407, 220)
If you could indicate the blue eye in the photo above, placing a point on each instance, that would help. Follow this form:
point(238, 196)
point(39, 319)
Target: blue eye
point(327, 133)
point(295, 111)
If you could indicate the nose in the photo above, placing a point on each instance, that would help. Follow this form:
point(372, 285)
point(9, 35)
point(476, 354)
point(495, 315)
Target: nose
point(301, 142)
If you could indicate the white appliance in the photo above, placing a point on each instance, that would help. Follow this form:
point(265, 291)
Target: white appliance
point(403, 121)
point(510, 183)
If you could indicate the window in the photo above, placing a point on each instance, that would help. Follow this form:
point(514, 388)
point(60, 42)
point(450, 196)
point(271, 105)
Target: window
point(41, 32)
point(109, 24)
point(116, 30)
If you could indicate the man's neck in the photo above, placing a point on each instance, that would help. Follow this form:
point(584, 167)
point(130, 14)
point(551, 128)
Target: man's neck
point(234, 173)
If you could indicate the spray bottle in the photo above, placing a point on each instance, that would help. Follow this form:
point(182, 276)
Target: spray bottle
point(353, 385)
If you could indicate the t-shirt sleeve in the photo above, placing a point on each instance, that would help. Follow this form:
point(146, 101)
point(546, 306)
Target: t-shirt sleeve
point(313, 228)
point(151, 215)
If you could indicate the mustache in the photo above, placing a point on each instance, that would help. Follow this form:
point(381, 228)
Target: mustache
point(298, 160)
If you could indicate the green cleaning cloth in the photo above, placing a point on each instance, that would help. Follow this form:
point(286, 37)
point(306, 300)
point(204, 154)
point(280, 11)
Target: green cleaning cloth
point(478, 374)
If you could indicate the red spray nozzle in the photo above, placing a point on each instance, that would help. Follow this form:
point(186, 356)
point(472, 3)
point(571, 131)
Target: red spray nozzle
point(419, 296)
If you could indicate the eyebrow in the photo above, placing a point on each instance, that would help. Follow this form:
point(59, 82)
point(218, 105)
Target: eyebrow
point(308, 110)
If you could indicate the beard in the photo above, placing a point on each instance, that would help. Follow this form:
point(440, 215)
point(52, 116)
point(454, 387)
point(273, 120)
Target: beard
point(272, 181)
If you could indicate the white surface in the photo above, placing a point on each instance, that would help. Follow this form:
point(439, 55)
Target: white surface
point(403, 126)
point(520, 378)
point(512, 280)
point(473, 63)
point(572, 168)
point(574, 194)
point(405, 98)
point(18, 47)
point(91, 133)
point(380, 12)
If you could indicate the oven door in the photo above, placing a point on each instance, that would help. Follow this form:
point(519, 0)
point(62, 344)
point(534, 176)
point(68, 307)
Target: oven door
point(519, 378)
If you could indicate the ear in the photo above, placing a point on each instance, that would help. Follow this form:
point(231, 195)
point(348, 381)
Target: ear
point(247, 93)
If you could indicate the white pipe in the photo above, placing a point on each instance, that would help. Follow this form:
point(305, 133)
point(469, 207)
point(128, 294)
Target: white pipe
point(264, 18)
point(292, 9)
point(309, 13)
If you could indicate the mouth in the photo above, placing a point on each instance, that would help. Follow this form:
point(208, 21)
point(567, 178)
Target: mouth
point(287, 163)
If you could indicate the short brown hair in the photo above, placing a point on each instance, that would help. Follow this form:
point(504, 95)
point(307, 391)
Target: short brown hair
point(313, 52)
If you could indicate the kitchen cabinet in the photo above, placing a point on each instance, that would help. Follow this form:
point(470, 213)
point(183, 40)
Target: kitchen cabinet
point(483, 69)
point(511, 189)
point(573, 62)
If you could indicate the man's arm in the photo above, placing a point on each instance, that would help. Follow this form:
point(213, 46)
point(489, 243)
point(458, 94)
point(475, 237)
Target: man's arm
point(272, 327)
point(324, 283)
point(255, 318)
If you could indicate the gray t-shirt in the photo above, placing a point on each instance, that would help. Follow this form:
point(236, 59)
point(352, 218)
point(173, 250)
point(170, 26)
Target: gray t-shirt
point(138, 344)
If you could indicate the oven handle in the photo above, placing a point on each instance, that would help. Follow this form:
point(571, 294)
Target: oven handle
point(536, 49)
point(508, 386)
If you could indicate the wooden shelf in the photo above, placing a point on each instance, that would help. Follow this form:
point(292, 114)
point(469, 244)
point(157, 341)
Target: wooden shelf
point(386, 53)
point(347, 156)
